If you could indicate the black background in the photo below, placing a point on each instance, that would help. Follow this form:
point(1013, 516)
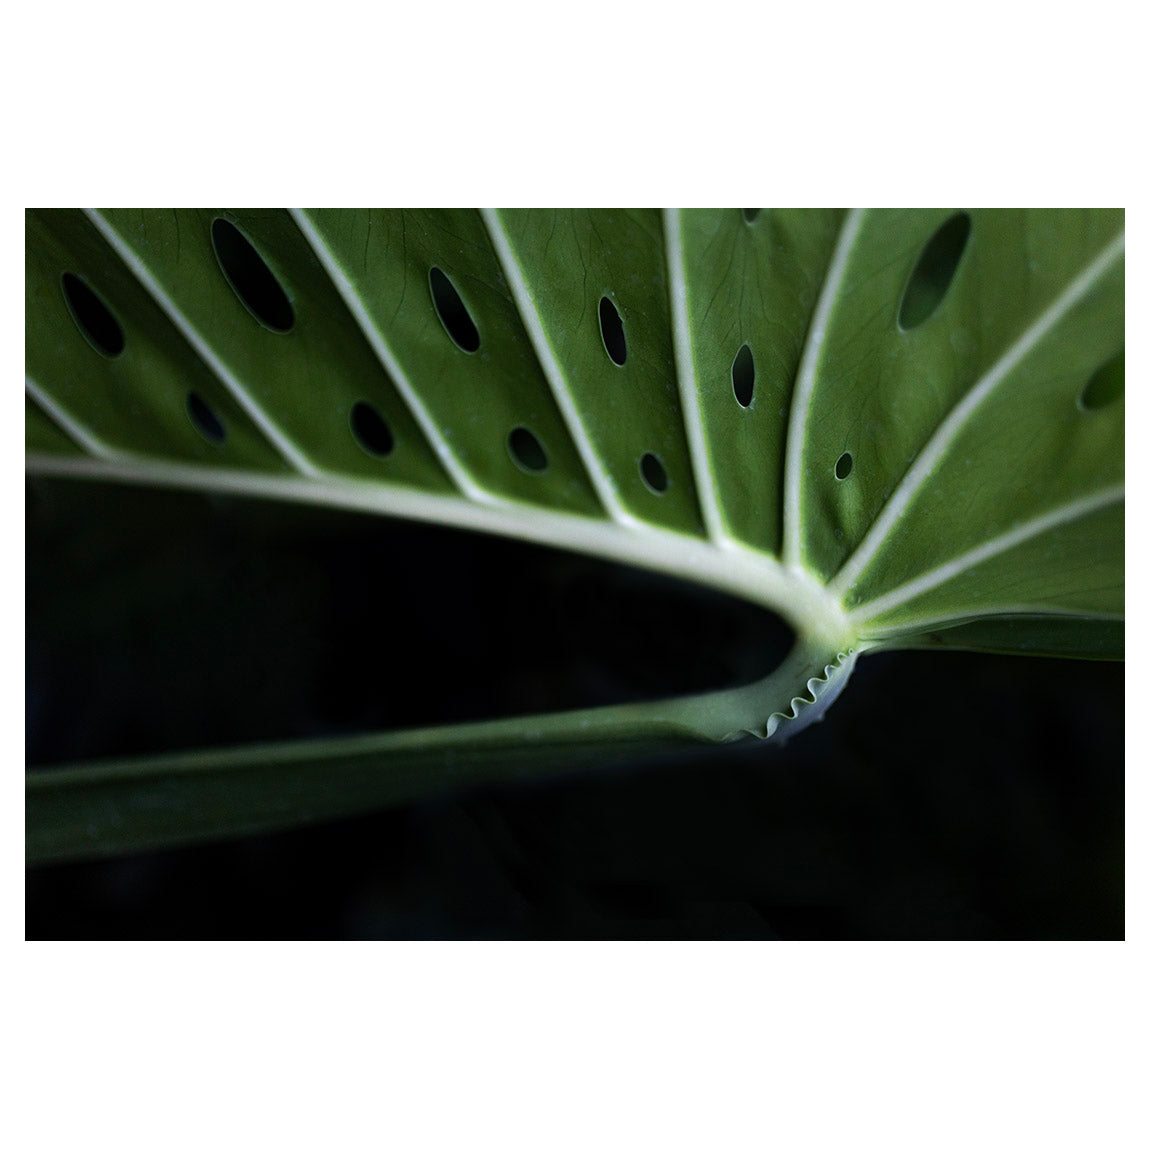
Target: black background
point(947, 795)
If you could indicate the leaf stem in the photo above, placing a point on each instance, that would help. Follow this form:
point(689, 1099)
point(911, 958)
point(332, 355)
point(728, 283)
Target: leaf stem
point(760, 579)
point(107, 808)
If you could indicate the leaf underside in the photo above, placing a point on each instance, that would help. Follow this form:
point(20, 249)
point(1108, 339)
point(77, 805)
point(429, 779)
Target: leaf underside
point(895, 428)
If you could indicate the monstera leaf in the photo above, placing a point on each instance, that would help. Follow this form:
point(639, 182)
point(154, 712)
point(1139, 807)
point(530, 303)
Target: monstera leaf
point(893, 428)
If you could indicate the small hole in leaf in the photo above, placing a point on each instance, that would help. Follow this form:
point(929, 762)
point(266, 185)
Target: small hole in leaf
point(934, 272)
point(526, 450)
point(743, 376)
point(96, 323)
point(1105, 385)
point(844, 466)
point(453, 313)
point(371, 431)
point(653, 472)
point(611, 326)
point(751, 214)
point(204, 419)
point(250, 278)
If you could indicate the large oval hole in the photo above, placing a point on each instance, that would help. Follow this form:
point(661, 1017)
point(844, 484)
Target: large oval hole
point(1105, 385)
point(371, 431)
point(611, 327)
point(204, 419)
point(453, 313)
point(250, 278)
point(844, 465)
point(526, 450)
point(934, 272)
point(743, 376)
point(96, 323)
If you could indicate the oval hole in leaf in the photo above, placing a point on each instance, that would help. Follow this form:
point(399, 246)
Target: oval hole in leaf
point(934, 272)
point(653, 472)
point(611, 327)
point(844, 465)
point(1105, 385)
point(743, 376)
point(96, 322)
point(527, 451)
point(751, 214)
point(371, 431)
point(453, 313)
point(204, 419)
point(250, 278)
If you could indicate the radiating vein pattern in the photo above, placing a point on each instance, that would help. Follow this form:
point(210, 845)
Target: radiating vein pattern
point(569, 264)
point(440, 443)
point(905, 423)
point(1051, 522)
point(204, 346)
point(951, 428)
point(596, 465)
point(471, 401)
point(744, 286)
point(303, 382)
point(135, 403)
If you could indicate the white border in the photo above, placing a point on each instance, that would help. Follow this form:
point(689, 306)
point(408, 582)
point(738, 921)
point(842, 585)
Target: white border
point(731, 1045)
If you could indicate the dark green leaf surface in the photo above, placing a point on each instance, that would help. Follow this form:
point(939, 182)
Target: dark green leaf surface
point(42, 435)
point(136, 403)
point(566, 263)
point(882, 393)
point(1054, 635)
point(755, 285)
point(470, 403)
point(303, 382)
point(894, 428)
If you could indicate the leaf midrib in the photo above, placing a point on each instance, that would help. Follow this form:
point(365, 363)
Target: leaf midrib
point(504, 516)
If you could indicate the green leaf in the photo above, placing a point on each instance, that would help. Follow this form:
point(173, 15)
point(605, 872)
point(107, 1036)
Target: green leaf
point(895, 429)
